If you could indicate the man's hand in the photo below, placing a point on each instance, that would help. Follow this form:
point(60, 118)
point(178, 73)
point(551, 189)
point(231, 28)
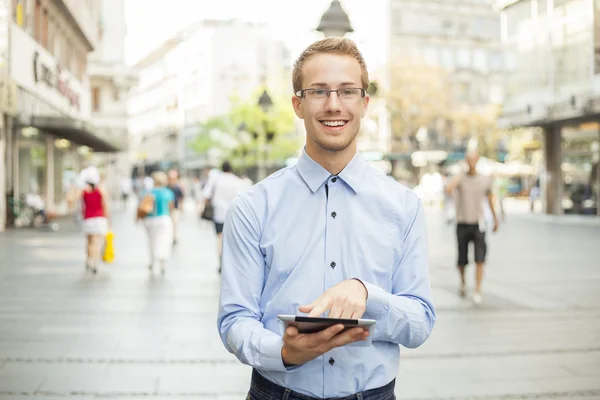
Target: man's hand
point(496, 224)
point(299, 348)
point(347, 300)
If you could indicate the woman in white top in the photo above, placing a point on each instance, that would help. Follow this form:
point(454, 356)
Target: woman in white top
point(220, 192)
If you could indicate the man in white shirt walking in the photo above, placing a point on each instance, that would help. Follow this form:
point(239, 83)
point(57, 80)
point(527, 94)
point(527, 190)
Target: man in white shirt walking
point(220, 192)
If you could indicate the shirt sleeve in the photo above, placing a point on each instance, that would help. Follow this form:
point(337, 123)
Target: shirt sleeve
point(243, 273)
point(406, 315)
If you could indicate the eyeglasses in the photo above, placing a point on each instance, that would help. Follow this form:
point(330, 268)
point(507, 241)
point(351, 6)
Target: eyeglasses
point(346, 95)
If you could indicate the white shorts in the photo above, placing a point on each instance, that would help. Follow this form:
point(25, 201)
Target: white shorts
point(95, 226)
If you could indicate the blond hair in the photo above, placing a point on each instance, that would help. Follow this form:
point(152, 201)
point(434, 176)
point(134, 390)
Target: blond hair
point(159, 178)
point(330, 45)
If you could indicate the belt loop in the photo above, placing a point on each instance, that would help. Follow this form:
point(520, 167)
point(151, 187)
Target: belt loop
point(359, 396)
point(286, 394)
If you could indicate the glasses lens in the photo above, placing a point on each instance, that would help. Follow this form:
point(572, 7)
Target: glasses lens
point(350, 95)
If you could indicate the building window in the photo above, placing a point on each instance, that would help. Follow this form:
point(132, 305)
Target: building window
point(95, 99)
point(44, 38)
point(37, 16)
point(51, 28)
point(20, 12)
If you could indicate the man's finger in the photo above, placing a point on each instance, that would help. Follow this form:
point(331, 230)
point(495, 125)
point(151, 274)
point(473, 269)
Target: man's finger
point(317, 311)
point(336, 311)
point(291, 331)
point(306, 309)
point(348, 313)
point(350, 336)
point(326, 334)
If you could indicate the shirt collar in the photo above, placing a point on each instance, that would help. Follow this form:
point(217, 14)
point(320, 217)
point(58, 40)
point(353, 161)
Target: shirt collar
point(315, 175)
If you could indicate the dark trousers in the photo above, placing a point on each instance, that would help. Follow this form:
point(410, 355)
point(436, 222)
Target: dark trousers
point(263, 389)
point(470, 233)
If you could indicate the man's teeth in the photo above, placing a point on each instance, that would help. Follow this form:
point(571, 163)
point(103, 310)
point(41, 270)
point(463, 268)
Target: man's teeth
point(334, 123)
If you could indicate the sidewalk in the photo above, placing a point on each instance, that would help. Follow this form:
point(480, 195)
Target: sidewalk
point(125, 333)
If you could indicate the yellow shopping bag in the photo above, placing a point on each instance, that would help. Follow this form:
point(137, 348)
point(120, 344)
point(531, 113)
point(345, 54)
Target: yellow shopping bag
point(109, 248)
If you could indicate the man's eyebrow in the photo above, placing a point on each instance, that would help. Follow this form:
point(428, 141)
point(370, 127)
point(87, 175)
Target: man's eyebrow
point(322, 84)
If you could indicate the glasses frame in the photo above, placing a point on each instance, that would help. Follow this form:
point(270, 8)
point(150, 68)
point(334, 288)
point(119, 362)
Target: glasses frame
point(301, 93)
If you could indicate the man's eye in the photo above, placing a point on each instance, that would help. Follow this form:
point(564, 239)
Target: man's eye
point(347, 92)
point(320, 92)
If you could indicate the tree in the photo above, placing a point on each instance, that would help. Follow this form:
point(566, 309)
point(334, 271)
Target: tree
point(246, 132)
point(419, 97)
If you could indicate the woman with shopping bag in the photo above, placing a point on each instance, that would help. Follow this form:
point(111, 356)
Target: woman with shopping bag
point(95, 216)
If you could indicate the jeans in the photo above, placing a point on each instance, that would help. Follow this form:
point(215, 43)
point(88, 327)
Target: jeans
point(263, 389)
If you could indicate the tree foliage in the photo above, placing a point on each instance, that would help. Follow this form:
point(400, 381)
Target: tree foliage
point(246, 131)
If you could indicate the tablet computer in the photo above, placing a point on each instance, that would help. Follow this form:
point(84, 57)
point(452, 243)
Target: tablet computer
point(312, 325)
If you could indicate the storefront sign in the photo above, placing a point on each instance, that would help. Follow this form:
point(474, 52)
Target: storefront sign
point(38, 73)
point(52, 78)
point(8, 96)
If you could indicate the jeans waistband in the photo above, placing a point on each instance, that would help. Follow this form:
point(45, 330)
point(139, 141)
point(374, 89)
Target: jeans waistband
point(267, 390)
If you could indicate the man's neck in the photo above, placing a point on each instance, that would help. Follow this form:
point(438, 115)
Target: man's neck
point(472, 172)
point(332, 161)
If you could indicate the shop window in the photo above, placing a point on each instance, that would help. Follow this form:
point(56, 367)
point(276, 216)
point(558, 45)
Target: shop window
point(96, 99)
point(37, 16)
point(19, 8)
point(44, 38)
point(51, 34)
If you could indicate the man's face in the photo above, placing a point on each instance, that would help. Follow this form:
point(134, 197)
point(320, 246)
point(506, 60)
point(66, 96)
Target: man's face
point(331, 71)
point(472, 159)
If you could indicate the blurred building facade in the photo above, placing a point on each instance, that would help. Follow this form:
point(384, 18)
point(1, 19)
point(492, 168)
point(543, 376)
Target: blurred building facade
point(48, 135)
point(191, 77)
point(553, 48)
point(458, 43)
point(110, 83)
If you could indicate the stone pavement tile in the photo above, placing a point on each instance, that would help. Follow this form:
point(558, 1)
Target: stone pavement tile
point(35, 350)
point(209, 379)
point(127, 384)
point(20, 383)
point(574, 384)
point(409, 387)
point(52, 369)
point(66, 385)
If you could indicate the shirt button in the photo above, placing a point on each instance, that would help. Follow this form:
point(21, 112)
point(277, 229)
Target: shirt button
point(334, 179)
point(331, 361)
point(332, 264)
point(334, 214)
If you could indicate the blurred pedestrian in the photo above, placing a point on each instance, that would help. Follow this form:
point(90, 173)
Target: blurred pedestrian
point(220, 190)
point(471, 190)
point(94, 203)
point(158, 222)
point(173, 184)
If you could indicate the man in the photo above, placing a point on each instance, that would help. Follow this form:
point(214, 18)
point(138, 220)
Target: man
point(330, 235)
point(173, 184)
point(471, 191)
point(220, 191)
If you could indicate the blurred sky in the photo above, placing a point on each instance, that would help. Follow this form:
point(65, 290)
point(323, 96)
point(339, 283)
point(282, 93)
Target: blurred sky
point(150, 22)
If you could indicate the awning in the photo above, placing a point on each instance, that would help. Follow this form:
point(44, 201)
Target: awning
point(75, 131)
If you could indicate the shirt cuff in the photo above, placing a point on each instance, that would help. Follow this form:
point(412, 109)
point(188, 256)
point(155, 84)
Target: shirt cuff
point(377, 301)
point(270, 353)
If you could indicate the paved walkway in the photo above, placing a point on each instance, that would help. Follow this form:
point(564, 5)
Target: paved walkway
point(126, 333)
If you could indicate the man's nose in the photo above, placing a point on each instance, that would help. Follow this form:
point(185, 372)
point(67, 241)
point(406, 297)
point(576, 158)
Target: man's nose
point(333, 102)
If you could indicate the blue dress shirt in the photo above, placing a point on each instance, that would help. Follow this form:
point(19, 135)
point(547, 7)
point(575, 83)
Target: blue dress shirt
point(300, 232)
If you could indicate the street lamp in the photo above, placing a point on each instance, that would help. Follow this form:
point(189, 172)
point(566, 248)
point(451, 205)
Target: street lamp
point(335, 21)
point(265, 103)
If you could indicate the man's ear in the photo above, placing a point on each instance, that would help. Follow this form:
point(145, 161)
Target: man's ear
point(366, 100)
point(298, 107)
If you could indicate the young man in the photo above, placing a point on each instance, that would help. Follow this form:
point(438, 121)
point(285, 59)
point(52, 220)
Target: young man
point(330, 235)
point(471, 191)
